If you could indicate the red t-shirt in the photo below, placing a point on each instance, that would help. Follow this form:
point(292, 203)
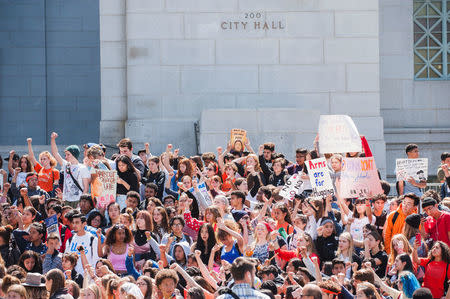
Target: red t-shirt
point(438, 229)
point(46, 177)
point(434, 276)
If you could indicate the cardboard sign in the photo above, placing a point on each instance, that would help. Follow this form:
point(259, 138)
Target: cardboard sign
point(338, 134)
point(415, 168)
point(292, 187)
point(202, 189)
point(104, 188)
point(319, 176)
point(52, 226)
point(238, 138)
point(359, 178)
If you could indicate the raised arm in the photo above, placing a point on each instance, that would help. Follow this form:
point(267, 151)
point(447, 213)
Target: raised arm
point(190, 281)
point(31, 153)
point(206, 275)
point(236, 235)
point(54, 148)
point(10, 166)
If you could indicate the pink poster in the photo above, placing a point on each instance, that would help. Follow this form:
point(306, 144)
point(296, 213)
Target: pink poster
point(359, 178)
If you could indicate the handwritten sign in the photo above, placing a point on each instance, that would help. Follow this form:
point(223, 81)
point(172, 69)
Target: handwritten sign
point(292, 187)
point(415, 168)
point(52, 225)
point(319, 175)
point(338, 134)
point(104, 187)
point(237, 139)
point(359, 178)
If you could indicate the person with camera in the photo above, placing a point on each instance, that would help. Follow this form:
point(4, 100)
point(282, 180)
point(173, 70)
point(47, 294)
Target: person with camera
point(82, 241)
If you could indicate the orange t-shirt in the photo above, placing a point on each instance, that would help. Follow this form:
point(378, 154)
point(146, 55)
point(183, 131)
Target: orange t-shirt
point(46, 177)
point(287, 227)
point(226, 185)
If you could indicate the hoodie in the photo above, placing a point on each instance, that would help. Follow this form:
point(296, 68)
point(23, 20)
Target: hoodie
point(186, 249)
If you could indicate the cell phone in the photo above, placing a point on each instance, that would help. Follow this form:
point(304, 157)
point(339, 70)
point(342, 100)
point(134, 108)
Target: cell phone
point(419, 238)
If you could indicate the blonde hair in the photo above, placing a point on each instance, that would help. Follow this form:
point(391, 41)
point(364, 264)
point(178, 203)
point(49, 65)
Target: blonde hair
point(406, 247)
point(347, 236)
point(53, 161)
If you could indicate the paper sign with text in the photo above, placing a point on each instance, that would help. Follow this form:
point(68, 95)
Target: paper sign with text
point(338, 134)
point(415, 168)
point(52, 225)
point(292, 187)
point(237, 139)
point(319, 176)
point(359, 178)
point(105, 187)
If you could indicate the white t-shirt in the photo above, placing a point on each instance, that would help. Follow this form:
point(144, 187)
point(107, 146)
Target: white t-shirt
point(79, 171)
point(356, 228)
point(91, 252)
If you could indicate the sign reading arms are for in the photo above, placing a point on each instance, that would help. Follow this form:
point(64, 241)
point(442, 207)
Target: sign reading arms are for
point(319, 175)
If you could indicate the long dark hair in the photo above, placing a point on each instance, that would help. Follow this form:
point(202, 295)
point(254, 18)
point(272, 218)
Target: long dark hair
point(111, 235)
point(148, 281)
point(206, 248)
point(406, 258)
point(58, 280)
point(125, 159)
point(37, 261)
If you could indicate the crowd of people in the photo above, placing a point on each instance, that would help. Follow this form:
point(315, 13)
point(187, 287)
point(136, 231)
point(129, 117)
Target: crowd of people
point(214, 225)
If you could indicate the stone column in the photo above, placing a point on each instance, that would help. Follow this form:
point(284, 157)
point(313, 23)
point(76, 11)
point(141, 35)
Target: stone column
point(113, 71)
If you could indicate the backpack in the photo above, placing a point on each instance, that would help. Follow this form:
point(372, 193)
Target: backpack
point(90, 242)
point(228, 291)
point(395, 217)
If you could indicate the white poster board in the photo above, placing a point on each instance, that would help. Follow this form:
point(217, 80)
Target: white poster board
point(338, 134)
point(319, 176)
point(292, 187)
point(415, 168)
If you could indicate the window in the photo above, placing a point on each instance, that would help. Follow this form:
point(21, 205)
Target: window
point(432, 39)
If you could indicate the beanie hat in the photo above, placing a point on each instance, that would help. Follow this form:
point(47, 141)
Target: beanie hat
point(413, 220)
point(428, 201)
point(74, 150)
point(238, 214)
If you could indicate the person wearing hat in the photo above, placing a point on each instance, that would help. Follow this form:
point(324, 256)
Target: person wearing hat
point(35, 285)
point(437, 224)
point(76, 175)
point(410, 231)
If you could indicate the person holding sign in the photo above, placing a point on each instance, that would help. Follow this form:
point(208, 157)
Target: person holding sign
point(412, 185)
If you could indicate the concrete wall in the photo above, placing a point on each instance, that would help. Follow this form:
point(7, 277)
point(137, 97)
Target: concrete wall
point(185, 57)
point(413, 111)
point(49, 70)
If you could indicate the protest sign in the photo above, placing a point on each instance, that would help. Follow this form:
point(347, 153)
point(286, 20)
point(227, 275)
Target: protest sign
point(292, 187)
point(359, 178)
point(52, 225)
point(237, 139)
point(338, 134)
point(319, 176)
point(415, 168)
point(104, 187)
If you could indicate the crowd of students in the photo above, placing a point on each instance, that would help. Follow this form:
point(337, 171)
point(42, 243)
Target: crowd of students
point(214, 225)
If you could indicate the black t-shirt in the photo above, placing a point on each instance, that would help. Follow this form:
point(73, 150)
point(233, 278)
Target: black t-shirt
point(380, 269)
point(379, 221)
